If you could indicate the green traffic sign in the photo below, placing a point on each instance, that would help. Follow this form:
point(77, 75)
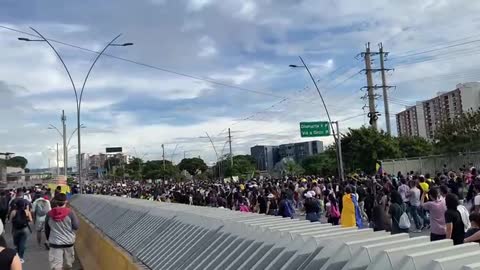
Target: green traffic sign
point(314, 129)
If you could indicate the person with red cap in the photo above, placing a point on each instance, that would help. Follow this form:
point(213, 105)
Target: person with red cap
point(60, 227)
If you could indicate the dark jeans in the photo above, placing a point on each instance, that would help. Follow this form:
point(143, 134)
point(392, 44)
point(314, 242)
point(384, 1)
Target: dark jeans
point(416, 212)
point(334, 221)
point(20, 241)
point(313, 217)
point(436, 237)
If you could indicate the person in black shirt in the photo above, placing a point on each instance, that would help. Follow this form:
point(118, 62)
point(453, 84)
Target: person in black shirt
point(312, 207)
point(262, 203)
point(453, 220)
point(469, 235)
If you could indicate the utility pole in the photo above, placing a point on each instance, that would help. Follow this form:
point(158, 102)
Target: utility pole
point(163, 156)
point(370, 87)
point(339, 145)
point(184, 154)
point(58, 165)
point(65, 150)
point(230, 143)
point(385, 87)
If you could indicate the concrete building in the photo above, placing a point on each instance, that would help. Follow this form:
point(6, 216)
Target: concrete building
point(265, 156)
point(96, 161)
point(427, 116)
point(299, 151)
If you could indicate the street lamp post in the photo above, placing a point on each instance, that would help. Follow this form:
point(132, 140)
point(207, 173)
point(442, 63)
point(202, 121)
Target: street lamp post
point(336, 135)
point(216, 152)
point(78, 96)
point(63, 135)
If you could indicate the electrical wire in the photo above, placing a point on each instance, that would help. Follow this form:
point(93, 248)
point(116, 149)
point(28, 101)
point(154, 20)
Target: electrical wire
point(154, 67)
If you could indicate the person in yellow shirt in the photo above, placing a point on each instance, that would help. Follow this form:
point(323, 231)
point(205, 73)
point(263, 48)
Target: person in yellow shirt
point(423, 185)
point(347, 218)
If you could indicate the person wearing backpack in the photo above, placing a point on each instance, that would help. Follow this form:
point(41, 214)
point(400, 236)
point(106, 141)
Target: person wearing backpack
point(333, 212)
point(398, 212)
point(20, 218)
point(40, 209)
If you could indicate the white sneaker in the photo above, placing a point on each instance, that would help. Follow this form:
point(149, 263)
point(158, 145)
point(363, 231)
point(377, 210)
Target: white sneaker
point(22, 261)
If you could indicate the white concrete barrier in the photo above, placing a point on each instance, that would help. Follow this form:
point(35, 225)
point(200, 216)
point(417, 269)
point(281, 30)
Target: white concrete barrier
point(455, 262)
point(182, 237)
point(421, 260)
point(367, 254)
point(389, 259)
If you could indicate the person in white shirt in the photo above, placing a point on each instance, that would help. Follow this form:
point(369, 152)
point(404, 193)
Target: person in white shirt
point(476, 199)
point(403, 189)
point(40, 209)
point(414, 205)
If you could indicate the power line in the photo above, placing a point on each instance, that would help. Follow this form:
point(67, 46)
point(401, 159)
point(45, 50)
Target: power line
point(153, 67)
point(437, 49)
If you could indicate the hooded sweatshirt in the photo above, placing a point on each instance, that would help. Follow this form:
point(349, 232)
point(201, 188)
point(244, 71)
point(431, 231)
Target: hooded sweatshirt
point(60, 227)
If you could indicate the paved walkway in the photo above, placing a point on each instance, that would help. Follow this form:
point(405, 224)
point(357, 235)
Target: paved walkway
point(36, 258)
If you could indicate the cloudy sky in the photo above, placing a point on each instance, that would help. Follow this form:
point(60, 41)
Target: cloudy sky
point(206, 65)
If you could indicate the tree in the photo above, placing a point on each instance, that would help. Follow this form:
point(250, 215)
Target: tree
point(17, 161)
point(363, 147)
point(192, 165)
point(154, 169)
point(134, 168)
point(322, 164)
point(292, 168)
point(460, 134)
point(414, 146)
point(243, 165)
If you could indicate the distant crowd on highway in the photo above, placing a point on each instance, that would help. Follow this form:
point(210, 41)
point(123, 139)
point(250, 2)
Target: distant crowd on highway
point(447, 204)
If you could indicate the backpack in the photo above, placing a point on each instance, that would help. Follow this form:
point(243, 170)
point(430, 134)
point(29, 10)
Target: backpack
point(41, 209)
point(404, 221)
point(20, 220)
point(334, 213)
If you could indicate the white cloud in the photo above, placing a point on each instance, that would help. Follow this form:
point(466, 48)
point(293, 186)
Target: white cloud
point(197, 5)
point(239, 76)
point(207, 47)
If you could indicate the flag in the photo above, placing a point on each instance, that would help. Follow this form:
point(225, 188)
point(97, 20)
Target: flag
point(379, 168)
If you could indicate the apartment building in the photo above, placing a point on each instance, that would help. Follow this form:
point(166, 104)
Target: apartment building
point(427, 116)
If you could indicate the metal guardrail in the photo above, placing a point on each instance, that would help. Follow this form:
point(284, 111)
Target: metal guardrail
point(176, 236)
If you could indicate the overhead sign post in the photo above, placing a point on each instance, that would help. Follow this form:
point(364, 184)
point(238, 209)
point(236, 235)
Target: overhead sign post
point(315, 129)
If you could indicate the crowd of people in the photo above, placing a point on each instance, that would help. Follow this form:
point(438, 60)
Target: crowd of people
point(448, 204)
point(43, 212)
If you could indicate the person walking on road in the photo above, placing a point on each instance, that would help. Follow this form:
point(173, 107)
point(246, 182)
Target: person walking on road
point(40, 209)
point(20, 218)
point(455, 229)
point(60, 227)
point(9, 259)
point(437, 209)
point(414, 202)
point(348, 211)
